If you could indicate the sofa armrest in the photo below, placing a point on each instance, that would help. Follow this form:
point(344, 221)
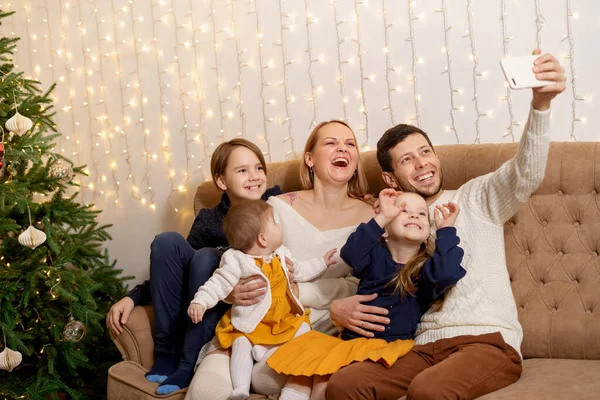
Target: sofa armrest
point(136, 343)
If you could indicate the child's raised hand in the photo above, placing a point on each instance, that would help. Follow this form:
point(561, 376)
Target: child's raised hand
point(196, 312)
point(328, 257)
point(445, 215)
point(388, 206)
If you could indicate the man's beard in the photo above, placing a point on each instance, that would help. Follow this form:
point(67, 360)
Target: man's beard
point(407, 187)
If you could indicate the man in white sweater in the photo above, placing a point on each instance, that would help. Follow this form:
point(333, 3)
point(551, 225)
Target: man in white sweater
point(472, 345)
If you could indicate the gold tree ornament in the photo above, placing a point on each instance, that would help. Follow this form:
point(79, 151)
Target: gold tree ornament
point(32, 237)
point(18, 124)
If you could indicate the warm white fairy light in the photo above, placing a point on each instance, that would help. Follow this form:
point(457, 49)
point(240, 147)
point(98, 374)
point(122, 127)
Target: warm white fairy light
point(339, 41)
point(182, 96)
point(240, 67)
point(361, 54)
point(388, 69)
point(198, 85)
point(147, 178)
point(540, 21)
point(476, 73)
point(571, 57)
point(105, 125)
point(448, 70)
point(28, 35)
point(262, 67)
point(163, 118)
point(415, 60)
point(68, 68)
point(285, 61)
point(219, 80)
point(87, 105)
point(126, 120)
point(505, 40)
point(313, 99)
point(50, 46)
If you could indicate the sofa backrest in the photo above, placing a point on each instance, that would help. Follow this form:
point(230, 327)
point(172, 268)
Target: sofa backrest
point(552, 243)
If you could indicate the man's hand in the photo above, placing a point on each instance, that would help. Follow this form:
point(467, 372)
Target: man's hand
point(547, 68)
point(445, 215)
point(357, 317)
point(328, 258)
point(119, 314)
point(247, 294)
point(196, 312)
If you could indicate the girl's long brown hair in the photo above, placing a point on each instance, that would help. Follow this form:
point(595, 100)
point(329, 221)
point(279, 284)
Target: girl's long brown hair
point(404, 282)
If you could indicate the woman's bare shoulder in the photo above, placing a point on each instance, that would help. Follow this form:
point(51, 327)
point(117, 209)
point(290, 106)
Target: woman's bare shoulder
point(290, 197)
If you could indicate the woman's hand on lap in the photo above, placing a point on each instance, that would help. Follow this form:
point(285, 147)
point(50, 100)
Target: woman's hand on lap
point(247, 294)
point(357, 317)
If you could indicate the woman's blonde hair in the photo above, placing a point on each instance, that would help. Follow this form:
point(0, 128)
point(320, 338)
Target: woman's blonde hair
point(357, 186)
point(406, 281)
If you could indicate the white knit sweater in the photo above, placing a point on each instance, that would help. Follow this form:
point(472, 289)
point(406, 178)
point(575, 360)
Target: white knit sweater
point(482, 302)
point(306, 242)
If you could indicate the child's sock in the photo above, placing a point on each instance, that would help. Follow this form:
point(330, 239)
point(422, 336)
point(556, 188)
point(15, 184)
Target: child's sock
point(163, 366)
point(179, 379)
point(291, 394)
point(241, 368)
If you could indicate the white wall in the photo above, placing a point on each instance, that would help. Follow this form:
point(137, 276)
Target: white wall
point(150, 78)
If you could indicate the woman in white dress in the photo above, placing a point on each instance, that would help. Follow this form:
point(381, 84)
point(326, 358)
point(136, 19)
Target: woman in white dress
point(313, 220)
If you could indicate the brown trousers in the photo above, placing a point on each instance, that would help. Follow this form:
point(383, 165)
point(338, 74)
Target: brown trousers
point(463, 367)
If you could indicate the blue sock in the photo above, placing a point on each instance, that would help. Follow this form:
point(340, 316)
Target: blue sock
point(163, 366)
point(179, 379)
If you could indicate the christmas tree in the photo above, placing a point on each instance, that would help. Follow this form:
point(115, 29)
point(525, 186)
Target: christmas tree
point(56, 281)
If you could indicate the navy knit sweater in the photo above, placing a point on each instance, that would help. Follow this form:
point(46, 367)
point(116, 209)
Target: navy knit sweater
point(373, 264)
point(207, 231)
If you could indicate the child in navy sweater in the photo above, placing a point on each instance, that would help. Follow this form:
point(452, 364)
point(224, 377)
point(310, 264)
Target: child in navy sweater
point(391, 256)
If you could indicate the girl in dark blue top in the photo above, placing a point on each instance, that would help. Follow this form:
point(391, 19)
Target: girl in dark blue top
point(391, 257)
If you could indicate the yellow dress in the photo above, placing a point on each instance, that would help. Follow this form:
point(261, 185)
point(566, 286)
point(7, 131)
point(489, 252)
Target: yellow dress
point(279, 324)
point(316, 353)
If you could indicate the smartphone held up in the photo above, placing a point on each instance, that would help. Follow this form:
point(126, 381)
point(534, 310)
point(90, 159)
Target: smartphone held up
point(519, 74)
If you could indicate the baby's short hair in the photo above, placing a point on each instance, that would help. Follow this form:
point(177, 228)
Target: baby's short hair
point(245, 221)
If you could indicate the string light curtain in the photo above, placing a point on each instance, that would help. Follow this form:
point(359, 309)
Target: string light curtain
point(148, 88)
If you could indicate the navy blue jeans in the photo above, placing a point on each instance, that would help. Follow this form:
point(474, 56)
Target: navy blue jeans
point(176, 273)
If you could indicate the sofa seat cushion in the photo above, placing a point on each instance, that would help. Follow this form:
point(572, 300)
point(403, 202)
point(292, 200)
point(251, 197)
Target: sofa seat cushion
point(126, 381)
point(547, 379)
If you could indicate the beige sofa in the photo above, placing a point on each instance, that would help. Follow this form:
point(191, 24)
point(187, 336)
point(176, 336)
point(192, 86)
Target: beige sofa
point(552, 249)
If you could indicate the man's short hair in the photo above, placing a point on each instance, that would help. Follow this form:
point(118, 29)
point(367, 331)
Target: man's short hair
point(245, 221)
point(390, 139)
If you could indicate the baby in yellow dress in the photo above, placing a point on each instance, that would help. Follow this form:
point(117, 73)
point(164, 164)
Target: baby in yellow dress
point(255, 331)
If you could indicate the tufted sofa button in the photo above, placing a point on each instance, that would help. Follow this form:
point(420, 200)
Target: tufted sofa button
point(527, 252)
point(560, 193)
point(560, 254)
point(594, 192)
point(554, 309)
point(588, 312)
point(576, 223)
point(595, 254)
point(544, 223)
